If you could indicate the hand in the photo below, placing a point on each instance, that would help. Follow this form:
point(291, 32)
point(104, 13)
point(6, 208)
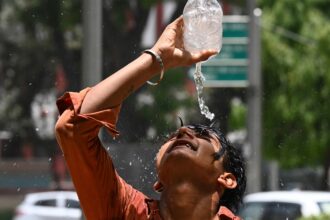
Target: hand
point(170, 47)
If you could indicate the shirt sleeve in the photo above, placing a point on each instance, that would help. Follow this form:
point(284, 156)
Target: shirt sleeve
point(102, 193)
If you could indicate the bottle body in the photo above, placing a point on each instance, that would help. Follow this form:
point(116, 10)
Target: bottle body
point(202, 25)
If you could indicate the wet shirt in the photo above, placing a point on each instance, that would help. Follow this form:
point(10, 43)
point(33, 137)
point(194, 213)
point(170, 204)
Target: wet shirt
point(103, 194)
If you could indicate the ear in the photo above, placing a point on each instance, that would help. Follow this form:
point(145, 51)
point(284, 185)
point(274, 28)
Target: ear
point(227, 180)
point(158, 186)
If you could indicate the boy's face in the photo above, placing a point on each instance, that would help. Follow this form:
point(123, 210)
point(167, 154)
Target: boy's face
point(189, 153)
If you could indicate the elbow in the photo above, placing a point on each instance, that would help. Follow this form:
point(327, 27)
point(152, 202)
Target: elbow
point(63, 126)
point(60, 128)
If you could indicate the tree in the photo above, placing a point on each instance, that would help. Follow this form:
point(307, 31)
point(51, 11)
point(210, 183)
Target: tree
point(40, 39)
point(296, 81)
point(41, 43)
point(33, 42)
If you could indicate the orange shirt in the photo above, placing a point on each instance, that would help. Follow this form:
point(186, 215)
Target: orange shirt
point(103, 194)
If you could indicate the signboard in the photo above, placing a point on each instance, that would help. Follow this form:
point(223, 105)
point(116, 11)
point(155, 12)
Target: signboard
point(230, 67)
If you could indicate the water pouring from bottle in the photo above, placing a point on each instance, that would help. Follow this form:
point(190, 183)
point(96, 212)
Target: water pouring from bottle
point(202, 31)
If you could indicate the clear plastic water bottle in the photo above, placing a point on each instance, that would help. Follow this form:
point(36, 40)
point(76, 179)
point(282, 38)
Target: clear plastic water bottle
point(202, 25)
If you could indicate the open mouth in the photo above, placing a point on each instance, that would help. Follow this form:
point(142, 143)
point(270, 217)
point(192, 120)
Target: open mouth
point(182, 143)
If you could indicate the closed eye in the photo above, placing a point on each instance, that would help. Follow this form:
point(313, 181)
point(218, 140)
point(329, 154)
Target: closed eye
point(207, 138)
point(203, 134)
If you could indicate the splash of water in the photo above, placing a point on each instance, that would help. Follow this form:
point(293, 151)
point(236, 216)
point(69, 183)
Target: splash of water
point(199, 79)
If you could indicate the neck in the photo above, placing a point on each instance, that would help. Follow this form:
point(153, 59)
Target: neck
point(186, 201)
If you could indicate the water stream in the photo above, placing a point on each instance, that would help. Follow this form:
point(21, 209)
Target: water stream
point(199, 79)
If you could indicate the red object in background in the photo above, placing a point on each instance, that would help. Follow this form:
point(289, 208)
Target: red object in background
point(226, 8)
point(190, 87)
point(59, 170)
point(129, 19)
point(27, 151)
point(159, 19)
point(61, 80)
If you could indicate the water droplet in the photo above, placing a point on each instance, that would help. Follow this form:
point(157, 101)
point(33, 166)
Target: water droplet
point(18, 189)
point(130, 163)
point(37, 129)
point(30, 84)
point(50, 159)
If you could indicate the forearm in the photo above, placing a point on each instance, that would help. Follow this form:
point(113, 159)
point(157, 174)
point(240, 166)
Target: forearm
point(113, 90)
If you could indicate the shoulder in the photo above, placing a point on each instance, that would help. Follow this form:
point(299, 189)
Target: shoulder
point(225, 214)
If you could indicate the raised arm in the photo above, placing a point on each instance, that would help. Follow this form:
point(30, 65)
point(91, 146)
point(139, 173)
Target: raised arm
point(102, 193)
point(114, 89)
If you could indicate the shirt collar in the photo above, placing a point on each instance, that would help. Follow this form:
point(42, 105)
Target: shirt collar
point(153, 210)
point(225, 214)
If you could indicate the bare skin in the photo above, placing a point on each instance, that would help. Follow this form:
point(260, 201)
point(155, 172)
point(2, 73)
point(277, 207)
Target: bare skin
point(191, 182)
point(113, 90)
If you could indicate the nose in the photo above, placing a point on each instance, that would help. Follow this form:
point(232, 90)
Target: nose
point(185, 131)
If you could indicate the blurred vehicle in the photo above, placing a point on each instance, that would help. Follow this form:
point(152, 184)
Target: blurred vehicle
point(284, 205)
point(53, 205)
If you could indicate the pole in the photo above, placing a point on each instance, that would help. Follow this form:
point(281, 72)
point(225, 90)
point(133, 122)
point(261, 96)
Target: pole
point(273, 175)
point(254, 101)
point(92, 42)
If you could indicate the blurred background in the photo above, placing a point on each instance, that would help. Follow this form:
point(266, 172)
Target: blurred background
point(276, 111)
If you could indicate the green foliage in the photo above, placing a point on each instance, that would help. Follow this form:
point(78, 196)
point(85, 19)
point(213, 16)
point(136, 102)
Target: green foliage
point(6, 214)
point(170, 101)
point(296, 78)
point(320, 217)
point(237, 117)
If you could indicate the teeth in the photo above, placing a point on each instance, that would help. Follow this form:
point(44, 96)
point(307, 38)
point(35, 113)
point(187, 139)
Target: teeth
point(189, 146)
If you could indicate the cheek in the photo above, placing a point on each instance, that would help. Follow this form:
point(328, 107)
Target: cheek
point(160, 154)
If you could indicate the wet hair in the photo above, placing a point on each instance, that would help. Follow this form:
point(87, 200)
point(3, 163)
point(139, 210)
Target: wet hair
point(233, 162)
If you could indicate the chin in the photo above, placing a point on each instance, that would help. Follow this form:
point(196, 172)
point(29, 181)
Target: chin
point(176, 163)
point(178, 156)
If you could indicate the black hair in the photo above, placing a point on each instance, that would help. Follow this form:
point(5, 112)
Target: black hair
point(233, 162)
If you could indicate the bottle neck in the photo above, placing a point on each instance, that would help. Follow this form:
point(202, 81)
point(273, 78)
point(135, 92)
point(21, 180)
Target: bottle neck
point(202, 3)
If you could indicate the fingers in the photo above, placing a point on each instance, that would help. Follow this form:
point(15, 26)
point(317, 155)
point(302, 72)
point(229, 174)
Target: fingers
point(177, 24)
point(178, 21)
point(203, 55)
point(185, 58)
